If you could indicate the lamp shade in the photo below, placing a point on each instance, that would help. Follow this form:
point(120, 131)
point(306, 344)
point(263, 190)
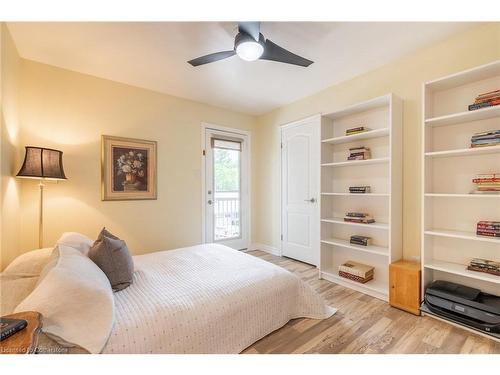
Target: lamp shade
point(42, 162)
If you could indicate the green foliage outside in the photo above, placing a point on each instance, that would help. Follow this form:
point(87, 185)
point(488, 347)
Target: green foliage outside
point(226, 170)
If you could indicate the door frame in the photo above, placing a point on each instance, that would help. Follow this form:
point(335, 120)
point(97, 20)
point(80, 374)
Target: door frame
point(282, 128)
point(235, 131)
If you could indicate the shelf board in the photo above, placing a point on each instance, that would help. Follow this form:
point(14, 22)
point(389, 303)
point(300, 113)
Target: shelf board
point(475, 74)
point(375, 225)
point(462, 235)
point(357, 194)
point(383, 251)
point(466, 116)
point(381, 101)
point(371, 288)
point(445, 195)
point(461, 270)
point(465, 152)
point(356, 162)
point(375, 133)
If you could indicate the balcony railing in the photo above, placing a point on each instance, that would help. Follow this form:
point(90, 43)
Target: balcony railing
point(227, 215)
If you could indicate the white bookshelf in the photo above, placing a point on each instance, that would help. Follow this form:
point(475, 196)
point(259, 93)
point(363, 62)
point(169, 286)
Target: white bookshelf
point(383, 116)
point(449, 211)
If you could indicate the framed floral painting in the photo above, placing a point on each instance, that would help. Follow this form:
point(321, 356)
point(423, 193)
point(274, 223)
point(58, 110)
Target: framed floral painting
point(128, 169)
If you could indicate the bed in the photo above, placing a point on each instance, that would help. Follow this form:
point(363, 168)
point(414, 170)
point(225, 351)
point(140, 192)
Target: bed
point(200, 299)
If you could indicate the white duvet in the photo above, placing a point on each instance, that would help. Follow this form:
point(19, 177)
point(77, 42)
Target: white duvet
point(206, 299)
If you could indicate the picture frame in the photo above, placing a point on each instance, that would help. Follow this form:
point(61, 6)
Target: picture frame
point(128, 169)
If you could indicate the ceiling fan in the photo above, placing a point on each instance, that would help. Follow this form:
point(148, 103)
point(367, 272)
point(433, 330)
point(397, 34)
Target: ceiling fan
point(250, 45)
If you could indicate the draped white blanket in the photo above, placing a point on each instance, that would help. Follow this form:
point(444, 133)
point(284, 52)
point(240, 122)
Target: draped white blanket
point(206, 299)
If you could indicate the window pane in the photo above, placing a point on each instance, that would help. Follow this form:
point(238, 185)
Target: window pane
point(226, 194)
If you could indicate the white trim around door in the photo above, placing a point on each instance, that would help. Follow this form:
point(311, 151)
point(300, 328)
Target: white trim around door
point(245, 189)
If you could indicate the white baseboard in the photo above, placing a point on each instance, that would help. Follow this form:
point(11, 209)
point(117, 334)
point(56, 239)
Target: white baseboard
point(268, 249)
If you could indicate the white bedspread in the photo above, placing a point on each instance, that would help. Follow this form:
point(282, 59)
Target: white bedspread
point(206, 299)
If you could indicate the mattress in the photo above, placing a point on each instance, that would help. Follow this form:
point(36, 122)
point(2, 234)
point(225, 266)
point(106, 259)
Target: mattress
point(207, 299)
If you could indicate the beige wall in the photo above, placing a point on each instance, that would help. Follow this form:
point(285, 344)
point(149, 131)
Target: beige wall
point(9, 148)
point(70, 111)
point(404, 77)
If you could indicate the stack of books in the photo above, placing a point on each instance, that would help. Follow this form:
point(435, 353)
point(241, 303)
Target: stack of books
point(484, 265)
point(487, 183)
point(488, 99)
point(355, 271)
point(360, 240)
point(359, 153)
point(359, 129)
point(488, 228)
point(487, 138)
point(360, 189)
point(358, 217)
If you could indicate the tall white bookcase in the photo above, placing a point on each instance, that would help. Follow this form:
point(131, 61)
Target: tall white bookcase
point(449, 212)
point(383, 172)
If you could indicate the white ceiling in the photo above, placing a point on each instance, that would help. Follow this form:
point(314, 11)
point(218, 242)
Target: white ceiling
point(154, 55)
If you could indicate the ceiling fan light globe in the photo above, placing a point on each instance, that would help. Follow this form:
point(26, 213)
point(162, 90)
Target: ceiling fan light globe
point(249, 50)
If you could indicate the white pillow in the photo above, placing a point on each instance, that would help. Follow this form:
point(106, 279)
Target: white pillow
point(77, 241)
point(13, 289)
point(75, 299)
point(29, 264)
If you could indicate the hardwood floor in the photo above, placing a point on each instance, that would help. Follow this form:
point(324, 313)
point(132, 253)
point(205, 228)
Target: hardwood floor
point(363, 324)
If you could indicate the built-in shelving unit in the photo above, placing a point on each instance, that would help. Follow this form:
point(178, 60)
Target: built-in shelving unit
point(383, 116)
point(449, 211)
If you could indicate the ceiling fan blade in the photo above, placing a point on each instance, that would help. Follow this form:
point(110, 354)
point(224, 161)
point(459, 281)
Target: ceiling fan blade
point(250, 28)
point(211, 58)
point(274, 52)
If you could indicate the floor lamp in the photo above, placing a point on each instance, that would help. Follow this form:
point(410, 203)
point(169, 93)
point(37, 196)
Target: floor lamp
point(42, 164)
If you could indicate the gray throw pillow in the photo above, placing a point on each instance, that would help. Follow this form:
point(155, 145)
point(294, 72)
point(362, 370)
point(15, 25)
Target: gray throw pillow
point(113, 257)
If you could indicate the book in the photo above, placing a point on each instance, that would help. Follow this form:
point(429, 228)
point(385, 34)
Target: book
point(485, 270)
point(359, 189)
point(357, 214)
point(9, 327)
point(356, 269)
point(488, 222)
point(486, 192)
point(358, 279)
point(487, 234)
point(360, 240)
point(489, 103)
point(485, 144)
point(357, 130)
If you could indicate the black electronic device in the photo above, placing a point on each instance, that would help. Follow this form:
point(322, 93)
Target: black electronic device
point(464, 305)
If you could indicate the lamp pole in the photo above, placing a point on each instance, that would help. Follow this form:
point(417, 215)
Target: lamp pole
point(40, 217)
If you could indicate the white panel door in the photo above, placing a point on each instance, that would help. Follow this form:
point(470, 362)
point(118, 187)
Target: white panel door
point(300, 180)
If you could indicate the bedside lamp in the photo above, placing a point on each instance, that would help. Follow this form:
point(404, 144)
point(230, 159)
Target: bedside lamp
point(42, 164)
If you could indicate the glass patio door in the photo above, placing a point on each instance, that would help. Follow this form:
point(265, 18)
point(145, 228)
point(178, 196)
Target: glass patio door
point(226, 196)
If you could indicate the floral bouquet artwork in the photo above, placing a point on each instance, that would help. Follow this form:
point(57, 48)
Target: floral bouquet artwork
point(132, 164)
point(129, 169)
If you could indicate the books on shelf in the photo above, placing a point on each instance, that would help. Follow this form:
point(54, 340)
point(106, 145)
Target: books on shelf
point(355, 271)
point(484, 265)
point(358, 217)
point(360, 189)
point(487, 99)
point(488, 228)
point(484, 139)
point(359, 153)
point(486, 183)
point(360, 240)
point(357, 130)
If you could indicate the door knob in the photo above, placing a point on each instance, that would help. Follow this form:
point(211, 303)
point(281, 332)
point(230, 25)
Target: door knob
point(209, 201)
point(312, 200)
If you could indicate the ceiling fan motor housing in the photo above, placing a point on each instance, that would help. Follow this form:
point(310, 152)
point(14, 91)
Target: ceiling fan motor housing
point(244, 37)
